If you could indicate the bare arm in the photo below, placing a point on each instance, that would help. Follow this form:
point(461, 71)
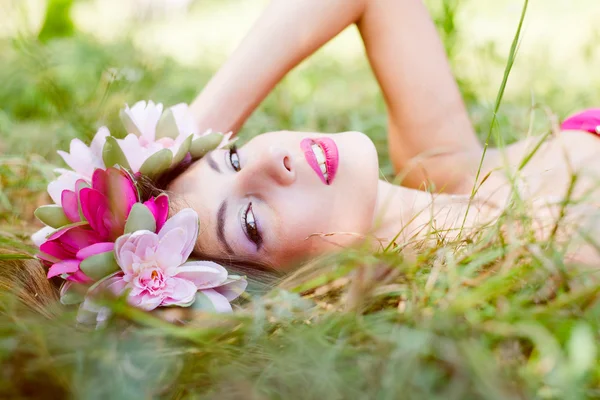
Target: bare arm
point(287, 32)
point(429, 130)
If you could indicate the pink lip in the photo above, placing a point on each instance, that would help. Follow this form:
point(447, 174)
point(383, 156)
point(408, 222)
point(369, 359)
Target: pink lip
point(332, 157)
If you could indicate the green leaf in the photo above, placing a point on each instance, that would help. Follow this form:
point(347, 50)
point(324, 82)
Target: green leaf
point(157, 163)
point(52, 215)
point(140, 218)
point(99, 265)
point(183, 150)
point(98, 283)
point(582, 349)
point(167, 126)
point(72, 295)
point(204, 144)
point(78, 186)
point(230, 143)
point(112, 154)
point(15, 257)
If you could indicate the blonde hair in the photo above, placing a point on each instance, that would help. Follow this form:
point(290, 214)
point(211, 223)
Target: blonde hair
point(26, 280)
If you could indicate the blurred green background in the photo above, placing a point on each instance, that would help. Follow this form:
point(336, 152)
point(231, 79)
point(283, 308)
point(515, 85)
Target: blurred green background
point(67, 67)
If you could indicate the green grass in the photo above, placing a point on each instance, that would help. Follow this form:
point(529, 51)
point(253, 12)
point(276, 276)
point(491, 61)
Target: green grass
point(487, 316)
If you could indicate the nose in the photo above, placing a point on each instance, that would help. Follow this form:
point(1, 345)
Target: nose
point(273, 166)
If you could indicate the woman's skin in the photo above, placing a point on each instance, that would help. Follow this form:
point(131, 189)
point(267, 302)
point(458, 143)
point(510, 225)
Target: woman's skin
point(430, 136)
point(290, 202)
point(298, 216)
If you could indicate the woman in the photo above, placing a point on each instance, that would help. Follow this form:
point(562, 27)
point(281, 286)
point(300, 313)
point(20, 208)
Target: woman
point(285, 197)
point(426, 114)
point(288, 196)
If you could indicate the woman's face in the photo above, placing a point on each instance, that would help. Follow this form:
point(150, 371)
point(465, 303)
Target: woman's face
point(276, 199)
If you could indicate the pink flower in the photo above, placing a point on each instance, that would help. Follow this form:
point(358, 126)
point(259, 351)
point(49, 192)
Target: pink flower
point(186, 126)
point(99, 214)
point(66, 181)
point(141, 119)
point(39, 237)
point(142, 142)
point(106, 205)
point(67, 248)
point(82, 159)
point(138, 149)
point(159, 207)
point(156, 271)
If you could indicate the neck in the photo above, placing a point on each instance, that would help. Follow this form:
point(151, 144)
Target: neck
point(406, 216)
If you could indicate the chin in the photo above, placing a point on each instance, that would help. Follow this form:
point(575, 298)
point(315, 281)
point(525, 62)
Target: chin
point(362, 154)
point(361, 163)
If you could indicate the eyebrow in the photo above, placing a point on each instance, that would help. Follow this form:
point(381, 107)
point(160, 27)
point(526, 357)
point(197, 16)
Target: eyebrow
point(221, 226)
point(213, 164)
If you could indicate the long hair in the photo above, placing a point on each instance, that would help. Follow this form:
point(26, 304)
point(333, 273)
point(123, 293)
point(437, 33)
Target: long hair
point(26, 280)
point(260, 275)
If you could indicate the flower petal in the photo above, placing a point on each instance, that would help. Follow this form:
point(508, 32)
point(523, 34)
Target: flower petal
point(141, 119)
point(132, 245)
point(55, 251)
point(121, 195)
point(94, 207)
point(183, 119)
point(98, 143)
point(204, 274)
point(135, 153)
point(186, 219)
point(112, 154)
point(159, 207)
point(233, 287)
point(144, 301)
point(39, 237)
point(76, 238)
point(587, 120)
point(183, 293)
point(63, 267)
point(116, 285)
point(211, 300)
point(79, 158)
point(66, 181)
point(94, 249)
point(79, 277)
point(70, 205)
point(169, 252)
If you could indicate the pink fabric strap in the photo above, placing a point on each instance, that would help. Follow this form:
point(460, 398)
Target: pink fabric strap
point(587, 120)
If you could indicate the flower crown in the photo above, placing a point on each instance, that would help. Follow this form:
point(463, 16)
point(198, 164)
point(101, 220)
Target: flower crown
point(99, 235)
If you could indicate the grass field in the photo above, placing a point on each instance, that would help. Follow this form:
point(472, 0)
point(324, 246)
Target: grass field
point(481, 318)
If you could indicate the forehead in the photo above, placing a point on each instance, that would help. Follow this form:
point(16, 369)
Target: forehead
point(202, 189)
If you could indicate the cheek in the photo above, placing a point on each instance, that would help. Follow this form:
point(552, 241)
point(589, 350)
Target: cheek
point(311, 228)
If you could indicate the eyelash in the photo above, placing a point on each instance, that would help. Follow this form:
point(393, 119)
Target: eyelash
point(235, 163)
point(250, 228)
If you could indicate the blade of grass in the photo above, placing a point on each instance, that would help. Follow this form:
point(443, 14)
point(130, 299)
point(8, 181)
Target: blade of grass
point(509, 64)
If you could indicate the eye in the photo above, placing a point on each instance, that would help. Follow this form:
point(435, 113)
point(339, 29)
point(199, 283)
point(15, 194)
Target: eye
point(234, 159)
point(250, 228)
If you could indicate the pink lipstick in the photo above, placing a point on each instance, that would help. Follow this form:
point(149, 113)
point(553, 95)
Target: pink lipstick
point(322, 156)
